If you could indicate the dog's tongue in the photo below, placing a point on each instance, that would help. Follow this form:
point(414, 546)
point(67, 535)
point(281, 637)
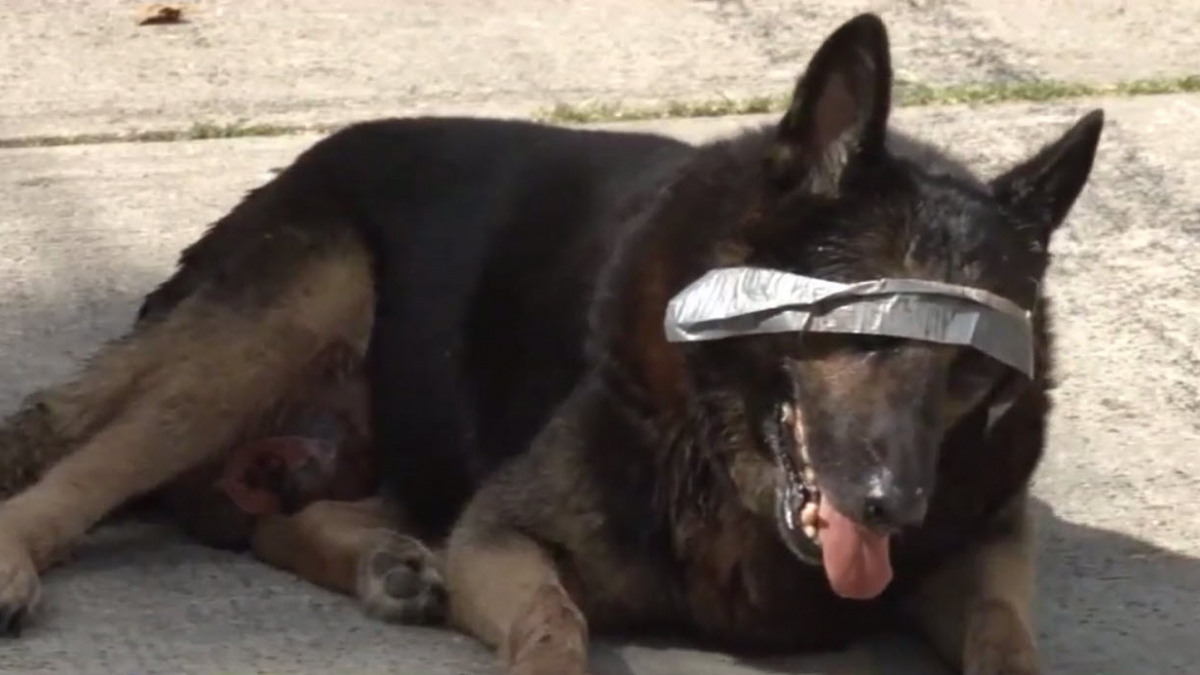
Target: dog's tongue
point(857, 561)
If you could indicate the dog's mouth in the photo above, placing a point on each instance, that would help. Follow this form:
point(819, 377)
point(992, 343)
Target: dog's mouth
point(857, 560)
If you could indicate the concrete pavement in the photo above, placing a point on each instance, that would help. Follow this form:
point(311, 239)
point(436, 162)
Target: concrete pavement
point(85, 230)
point(70, 67)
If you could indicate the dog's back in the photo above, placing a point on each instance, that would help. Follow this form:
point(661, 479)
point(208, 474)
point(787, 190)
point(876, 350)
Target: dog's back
point(487, 238)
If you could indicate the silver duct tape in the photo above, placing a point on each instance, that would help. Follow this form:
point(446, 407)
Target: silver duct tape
point(734, 301)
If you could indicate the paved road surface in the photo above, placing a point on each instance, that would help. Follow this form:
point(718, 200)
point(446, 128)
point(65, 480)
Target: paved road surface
point(72, 66)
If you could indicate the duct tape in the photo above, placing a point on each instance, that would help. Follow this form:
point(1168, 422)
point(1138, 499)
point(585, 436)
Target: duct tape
point(735, 301)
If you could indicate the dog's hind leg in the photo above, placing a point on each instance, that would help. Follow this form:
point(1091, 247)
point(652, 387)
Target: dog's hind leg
point(209, 370)
point(53, 422)
point(976, 609)
point(357, 548)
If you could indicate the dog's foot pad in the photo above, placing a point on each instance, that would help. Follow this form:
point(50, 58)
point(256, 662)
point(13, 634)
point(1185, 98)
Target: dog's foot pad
point(399, 580)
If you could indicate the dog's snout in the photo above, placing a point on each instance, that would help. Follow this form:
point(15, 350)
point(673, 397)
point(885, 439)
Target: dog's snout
point(890, 505)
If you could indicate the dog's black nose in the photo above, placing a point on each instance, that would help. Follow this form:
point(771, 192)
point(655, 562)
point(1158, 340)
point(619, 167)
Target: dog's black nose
point(889, 506)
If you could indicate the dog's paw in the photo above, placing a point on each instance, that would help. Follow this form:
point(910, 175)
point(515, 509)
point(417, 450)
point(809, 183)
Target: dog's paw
point(399, 580)
point(20, 589)
point(548, 635)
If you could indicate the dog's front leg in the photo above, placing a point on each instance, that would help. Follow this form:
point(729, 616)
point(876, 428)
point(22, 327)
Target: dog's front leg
point(976, 609)
point(505, 590)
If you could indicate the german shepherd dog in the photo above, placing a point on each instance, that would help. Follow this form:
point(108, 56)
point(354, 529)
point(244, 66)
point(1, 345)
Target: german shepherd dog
point(493, 294)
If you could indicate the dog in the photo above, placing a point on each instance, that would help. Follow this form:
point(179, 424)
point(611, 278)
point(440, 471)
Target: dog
point(551, 465)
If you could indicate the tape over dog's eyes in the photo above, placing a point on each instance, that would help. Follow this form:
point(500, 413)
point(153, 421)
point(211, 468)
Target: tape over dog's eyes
point(734, 301)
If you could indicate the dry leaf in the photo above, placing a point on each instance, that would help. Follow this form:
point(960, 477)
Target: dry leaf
point(160, 14)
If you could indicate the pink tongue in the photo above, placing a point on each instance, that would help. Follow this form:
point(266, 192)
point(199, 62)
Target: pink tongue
point(856, 560)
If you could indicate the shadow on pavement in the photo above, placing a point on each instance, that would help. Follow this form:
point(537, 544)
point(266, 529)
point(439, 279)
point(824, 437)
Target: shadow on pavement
point(1112, 603)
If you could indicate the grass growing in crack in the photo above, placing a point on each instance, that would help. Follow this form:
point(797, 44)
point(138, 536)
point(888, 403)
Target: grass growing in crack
point(1042, 90)
point(203, 131)
point(200, 131)
point(906, 94)
point(615, 112)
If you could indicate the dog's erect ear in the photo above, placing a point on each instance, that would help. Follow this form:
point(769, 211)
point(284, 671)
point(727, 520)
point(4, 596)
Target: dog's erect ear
point(839, 111)
point(1046, 186)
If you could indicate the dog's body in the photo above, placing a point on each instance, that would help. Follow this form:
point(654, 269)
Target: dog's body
point(505, 284)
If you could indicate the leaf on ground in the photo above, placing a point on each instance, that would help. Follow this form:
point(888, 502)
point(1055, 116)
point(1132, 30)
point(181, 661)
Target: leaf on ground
point(161, 14)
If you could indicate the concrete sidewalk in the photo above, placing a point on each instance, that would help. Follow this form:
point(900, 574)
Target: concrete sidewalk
point(69, 67)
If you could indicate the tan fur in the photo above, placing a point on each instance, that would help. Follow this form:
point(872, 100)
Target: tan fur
point(52, 423)
point(357, 548)
point(508, 594)
point(325, 541)
point(976, 609)
point(334, 390)
point(185, 388)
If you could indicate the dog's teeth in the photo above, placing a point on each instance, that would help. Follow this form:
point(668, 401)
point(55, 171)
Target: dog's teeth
point(810, 531)
point(810, 476)
point(786, 415)
point(805, 457)
point(808, 515)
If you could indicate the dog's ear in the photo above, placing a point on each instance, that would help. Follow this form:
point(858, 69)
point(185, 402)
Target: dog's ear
point(839, 112)
point(1045, 186)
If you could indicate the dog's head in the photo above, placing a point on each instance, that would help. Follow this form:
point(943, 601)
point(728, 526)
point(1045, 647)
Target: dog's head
point(855, 423)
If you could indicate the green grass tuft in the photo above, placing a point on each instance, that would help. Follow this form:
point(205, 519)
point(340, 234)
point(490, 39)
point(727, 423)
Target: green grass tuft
point(200, 131)
point(906, 94)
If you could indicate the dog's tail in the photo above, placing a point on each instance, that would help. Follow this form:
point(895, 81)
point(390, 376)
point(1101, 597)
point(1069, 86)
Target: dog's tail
point(216, 350)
